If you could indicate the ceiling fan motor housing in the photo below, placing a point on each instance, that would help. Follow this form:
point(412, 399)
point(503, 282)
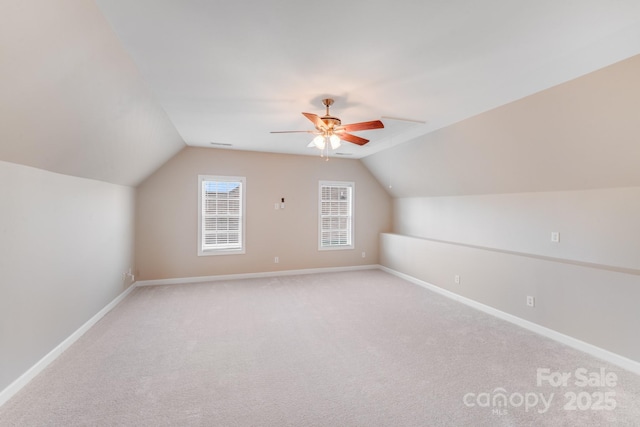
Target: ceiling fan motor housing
point(330, 122)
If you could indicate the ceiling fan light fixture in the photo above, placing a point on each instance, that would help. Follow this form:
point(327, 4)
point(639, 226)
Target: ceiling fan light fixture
point(319, 142)
point(335, 141)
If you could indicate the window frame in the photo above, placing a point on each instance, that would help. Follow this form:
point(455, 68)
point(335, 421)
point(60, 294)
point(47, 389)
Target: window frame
point(351, 236)
point(242, 239)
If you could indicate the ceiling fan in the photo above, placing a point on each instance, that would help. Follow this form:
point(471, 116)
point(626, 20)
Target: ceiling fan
point(330, 130)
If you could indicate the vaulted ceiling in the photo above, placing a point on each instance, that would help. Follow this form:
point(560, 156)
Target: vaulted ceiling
point(231, 72)
point(111, 89)
point(72, 100)
point(580, 135)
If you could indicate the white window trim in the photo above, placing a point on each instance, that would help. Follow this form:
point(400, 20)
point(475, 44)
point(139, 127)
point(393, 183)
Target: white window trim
point(240, 250)
point(353, 204)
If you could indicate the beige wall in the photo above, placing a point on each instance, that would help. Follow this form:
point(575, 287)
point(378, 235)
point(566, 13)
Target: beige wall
point(596, 226)
point(64, 244)
point(480, 199)
point(586, 286)
point(595, 305)
point(167, 215)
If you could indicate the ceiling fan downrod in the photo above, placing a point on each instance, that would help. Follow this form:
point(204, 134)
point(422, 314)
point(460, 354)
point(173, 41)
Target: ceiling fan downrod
point(328, 102)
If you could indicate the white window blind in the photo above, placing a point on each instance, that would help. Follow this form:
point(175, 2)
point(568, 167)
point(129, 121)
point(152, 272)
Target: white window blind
point(336, 215)
point(221, 215)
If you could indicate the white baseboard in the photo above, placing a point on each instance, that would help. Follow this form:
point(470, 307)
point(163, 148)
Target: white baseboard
point(606, 355)
point(21, 381)
point(201, 279)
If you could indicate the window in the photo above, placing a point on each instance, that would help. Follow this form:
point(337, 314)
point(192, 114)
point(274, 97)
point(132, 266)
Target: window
point(336, 215)
point(221, 215)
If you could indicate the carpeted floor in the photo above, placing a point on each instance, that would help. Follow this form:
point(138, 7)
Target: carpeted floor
point(343, 349)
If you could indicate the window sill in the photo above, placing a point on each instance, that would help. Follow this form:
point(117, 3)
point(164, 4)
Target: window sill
point(212, 252)
point(336, 248)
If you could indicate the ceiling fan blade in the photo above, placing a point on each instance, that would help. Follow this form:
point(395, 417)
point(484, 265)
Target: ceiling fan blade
point(315, 119)
point(354, 127)
point(292, 131)
point(352, 138)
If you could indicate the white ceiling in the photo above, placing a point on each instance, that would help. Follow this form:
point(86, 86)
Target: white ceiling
point(231, 72)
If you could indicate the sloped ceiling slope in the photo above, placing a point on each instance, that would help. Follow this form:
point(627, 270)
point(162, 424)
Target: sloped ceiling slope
point(583, 134)
point(71, 99)
point(229, 72)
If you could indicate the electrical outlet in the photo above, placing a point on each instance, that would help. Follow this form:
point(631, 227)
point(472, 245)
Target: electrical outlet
point(456, 279)
point(364, 255)
point(531, 301)
point(555, 237)
point(276, 260)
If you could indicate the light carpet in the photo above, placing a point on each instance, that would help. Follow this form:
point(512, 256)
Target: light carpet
point(358, 348)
